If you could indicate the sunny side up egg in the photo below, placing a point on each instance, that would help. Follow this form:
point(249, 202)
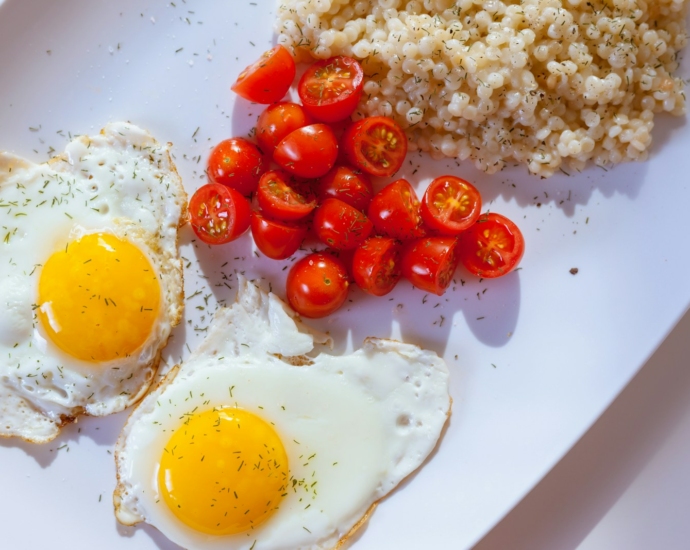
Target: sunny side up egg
point(259, 442)
point(90, 278)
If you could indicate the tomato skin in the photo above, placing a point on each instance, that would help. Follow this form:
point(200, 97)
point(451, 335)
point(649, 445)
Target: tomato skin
point(340, 225)
point(394, 211)
point(429, 263)
point(308, 152)
point(276, 239)
point(317, 285)
point(347, 184)
point(450, 205)
point(277, 121)
point(281, 197)
point(330, 89)
point(237, 163)
point(492, 247)
point(376, 265)
point(377, 145)
point(218, 214)
point(268, 79)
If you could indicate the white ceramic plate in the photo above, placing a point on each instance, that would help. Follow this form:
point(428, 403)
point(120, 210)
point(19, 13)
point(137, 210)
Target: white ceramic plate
point(535, 357)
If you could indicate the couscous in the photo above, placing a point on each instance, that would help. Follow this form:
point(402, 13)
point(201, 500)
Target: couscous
point(551, 84)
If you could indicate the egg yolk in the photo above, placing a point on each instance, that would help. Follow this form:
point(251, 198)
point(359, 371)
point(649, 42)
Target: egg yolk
point(98, 298)
point(223, 472)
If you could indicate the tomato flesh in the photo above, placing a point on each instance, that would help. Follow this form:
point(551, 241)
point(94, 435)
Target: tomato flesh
point(317, 285)
point(276, 239)
point(347, 184)
point(450, 205)
point(376, 265)
point(237, 163)
point(429, 263)
point(269, 78)
point(376, 145)
point(394, 211)
point(308, 152)
point(277, 121)
point(492, 247)
point(340, 225)
point(218, 214)
point(330, 89)
point(282, 198)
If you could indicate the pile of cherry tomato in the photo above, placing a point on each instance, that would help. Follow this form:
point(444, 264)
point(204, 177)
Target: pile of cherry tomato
point(321, 184)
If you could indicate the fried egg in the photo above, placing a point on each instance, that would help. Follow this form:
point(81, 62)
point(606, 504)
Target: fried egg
point(90, 278)
point(260, 441)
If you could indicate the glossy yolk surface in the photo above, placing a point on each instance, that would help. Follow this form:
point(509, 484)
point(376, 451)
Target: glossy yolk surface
point(223, 472)
point(98, 298)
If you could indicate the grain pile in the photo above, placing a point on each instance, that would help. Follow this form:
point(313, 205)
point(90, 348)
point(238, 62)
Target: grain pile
point(552, 84)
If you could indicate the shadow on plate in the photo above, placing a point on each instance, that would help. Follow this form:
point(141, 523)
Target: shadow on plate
point(154, 534)
point(490, 308)
point(103, 431)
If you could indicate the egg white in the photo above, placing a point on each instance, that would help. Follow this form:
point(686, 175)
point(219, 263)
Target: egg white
point(121, 182)
point(353, 426)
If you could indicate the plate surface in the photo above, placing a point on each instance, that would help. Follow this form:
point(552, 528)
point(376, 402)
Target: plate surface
point(535, 357)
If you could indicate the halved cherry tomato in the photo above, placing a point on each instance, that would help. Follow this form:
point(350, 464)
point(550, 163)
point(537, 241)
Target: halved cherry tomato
point(395, 211)
point(308, 152)
point(277, 121)
point(347, 184)
point(429, 263)
point(330, 89)
point(317, 285)
point(491, 247)
point(218, 214)
point(283, 198)
point(276, 239)
point(450, 205)
point(269, 78)
point(376, 145)
point(340, 225)
point(376, 265)
point(237, 163)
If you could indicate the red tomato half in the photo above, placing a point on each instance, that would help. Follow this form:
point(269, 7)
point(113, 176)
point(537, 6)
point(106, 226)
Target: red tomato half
point(308, 152)
point(450, 205)
point(269, 78)
point(317, 285)
point(395, 211)
point(347, 184)
point(340, 225)
point(277, 121)
point(283, 198)
point(429, 263)
point(376, 145)
point(218, 214)
point(277, 240)
point(330, 89)
point(491, 247)
point(237, 163)
point(376, 265)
